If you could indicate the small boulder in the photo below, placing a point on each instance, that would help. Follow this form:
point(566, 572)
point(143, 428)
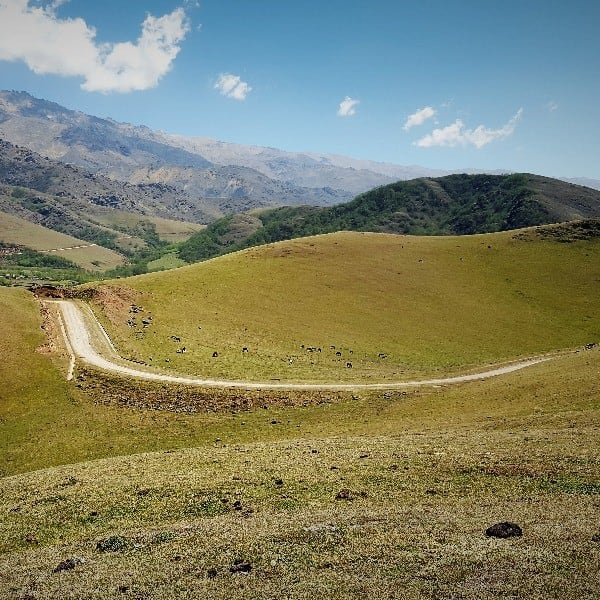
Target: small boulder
point(504, 530)
point(68, 564)
point(344, 494)
point(240, 566)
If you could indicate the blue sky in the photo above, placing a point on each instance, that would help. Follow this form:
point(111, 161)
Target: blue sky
point(444, 84)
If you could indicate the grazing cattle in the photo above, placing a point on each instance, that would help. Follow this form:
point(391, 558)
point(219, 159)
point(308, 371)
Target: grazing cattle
point(215, 354)
point(244, 349)
point(175, 338)
point(338, 353)
point(382, 355)
point(348, 365)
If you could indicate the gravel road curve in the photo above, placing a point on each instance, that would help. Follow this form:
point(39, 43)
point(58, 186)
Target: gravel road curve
point(79, 337)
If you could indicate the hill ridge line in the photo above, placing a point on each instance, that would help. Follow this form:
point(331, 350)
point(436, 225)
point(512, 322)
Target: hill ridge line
point(78, 338)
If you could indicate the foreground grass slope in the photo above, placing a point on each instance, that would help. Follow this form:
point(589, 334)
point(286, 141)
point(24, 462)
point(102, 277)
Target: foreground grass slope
point(363, 307)
point(425, 474)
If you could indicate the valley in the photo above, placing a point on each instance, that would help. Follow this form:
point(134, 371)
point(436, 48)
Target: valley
point(248, 373)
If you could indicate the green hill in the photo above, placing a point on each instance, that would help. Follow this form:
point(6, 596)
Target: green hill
point(390, 306)
point(456, 204)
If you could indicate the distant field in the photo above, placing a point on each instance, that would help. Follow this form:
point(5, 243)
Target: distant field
point(15, 230)
point(167, 229)
point(168, 261)
point(175, 231)
point(377, 306)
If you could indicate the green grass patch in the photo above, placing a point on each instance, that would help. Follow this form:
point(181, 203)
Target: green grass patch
point(352, 307)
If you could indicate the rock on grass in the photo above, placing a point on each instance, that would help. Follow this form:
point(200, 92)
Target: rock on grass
point(504, 530)
point(68, 564)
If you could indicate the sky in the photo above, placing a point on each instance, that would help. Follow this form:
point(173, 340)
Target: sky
point(443, 84)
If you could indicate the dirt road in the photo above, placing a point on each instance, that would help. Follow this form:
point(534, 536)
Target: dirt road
point(85, 336)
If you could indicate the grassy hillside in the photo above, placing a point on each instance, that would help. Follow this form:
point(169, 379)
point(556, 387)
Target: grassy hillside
point(456, 204)
point(390, 306)
point(386, 496)
point(111, 237)
point(381, 494)
point(18, 231)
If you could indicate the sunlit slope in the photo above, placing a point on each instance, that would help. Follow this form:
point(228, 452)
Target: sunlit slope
point(14, 230)
point(423, 473)
point(391, 306)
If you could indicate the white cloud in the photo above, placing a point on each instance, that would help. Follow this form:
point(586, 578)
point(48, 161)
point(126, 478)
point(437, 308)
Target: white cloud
point(232, 86)
point(458, 135)
point(347, 107)
point(48, 44)
point(419, 117)
point(551, 106)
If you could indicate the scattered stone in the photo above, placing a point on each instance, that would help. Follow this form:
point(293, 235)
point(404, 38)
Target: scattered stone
point(211, 573)
point(68, 564)
point(364, 456)
point(240, 566)
point(504, 530)
point(123, 589)
point(278, 482)
point(344, 494)
point(237, 505)
point(596, 538)
point(69, 482)
point(114, 543)
point(431, 492)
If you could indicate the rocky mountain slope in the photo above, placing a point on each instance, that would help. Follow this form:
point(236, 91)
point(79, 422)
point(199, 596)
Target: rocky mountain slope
point(136, 154)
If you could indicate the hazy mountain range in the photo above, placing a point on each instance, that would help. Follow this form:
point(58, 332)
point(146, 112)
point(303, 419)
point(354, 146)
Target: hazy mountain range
point(196, 179)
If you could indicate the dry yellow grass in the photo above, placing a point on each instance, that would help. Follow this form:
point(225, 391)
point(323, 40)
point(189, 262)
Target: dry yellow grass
point(14, 230)
point(188, 495)
point(392, 307)
point(427, 476)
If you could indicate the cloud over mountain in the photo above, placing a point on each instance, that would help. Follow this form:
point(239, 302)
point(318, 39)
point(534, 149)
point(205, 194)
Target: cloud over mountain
point(419, 117)
point(35, 35)
point(347, 107)
point(457, 134)
point(232, 86)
